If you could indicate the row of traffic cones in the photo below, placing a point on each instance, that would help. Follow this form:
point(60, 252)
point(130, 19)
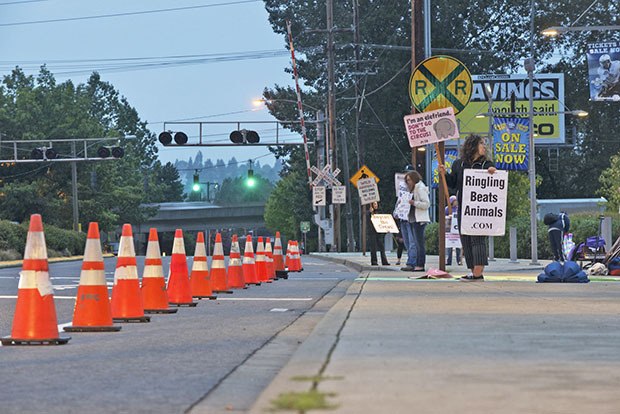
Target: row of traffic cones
point(35, 321)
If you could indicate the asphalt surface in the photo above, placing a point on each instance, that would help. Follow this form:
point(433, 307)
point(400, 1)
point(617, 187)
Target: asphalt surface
point(217, 357)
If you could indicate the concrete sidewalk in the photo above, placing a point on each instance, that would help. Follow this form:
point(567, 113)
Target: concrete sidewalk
point(506, 345)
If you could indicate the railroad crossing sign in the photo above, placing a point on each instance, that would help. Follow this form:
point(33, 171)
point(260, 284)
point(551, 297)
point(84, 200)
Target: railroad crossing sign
point(363, 172)
point(326, 175)
point(439, 82)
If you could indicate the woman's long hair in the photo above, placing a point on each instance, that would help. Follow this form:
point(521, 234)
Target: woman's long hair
point(414, 176)
point(469, 149)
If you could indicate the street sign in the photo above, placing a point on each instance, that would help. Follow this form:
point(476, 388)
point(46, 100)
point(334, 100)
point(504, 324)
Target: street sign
point(304, 226)
point(339, 194)
point(440, 82)
point(367, 190)
point(319, 196)
point(363, 172)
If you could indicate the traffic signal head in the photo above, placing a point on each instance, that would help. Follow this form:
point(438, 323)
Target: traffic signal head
point(41, 153)
point(251, 181)
point(196, 186)
point(106, 152)
point(180, 138)
point(244, 136)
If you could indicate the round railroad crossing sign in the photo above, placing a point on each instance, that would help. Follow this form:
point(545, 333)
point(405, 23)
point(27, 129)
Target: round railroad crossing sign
point(439, 82)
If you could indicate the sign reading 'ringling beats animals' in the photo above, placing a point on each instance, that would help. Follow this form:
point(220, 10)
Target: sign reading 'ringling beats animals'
point(431, 127)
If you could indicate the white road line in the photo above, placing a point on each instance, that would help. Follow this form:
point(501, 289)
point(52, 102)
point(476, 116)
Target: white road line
point(278, 310)
point(268, 299)
point(55, 297)
point(313, 278)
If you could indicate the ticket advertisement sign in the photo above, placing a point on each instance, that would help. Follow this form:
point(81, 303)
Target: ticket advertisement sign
point(548, 97)
point(604, 71)
point(511, 143)
point(483, 211)
point(430, 127)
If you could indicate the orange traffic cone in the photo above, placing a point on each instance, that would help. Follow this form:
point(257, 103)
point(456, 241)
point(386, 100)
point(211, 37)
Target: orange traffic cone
point(92, 312)
point(298, 256)
point(126, 297)
point(154, 295)
point(271, 270)
point(34, 322)
point(261, 263)
point(218, 267)
point(249, 266)
point(278, 260)
point(179, 291)
point(235, 270)
point(289, 257)
point(199, 279)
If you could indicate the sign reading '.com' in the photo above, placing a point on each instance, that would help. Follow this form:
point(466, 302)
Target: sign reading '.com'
point(483, 211)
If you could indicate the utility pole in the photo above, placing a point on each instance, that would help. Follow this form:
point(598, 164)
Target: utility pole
point(331, 112)
point(361, 150)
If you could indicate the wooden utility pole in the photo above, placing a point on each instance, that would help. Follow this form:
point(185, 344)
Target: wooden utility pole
point(331, 113)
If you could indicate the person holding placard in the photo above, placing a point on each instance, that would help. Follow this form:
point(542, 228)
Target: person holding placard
point(452, 219)
point(376, 239)
point(473, 155)
point(418, 215)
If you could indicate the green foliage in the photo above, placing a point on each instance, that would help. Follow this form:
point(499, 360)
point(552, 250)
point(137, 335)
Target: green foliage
point(58, 241)
point(12, 236)
point(610, 183)
point(110, 192)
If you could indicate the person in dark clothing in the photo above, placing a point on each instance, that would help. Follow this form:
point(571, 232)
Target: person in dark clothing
point(375, 239)
point(400, 247)
point(558, 224)
point(473, 155)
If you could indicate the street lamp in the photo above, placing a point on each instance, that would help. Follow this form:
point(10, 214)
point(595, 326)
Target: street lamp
point(554, 31)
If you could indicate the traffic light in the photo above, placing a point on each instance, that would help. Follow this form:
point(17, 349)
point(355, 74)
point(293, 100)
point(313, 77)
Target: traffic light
point(244, 136)
point(251, 181)
point(106, 152)
point(180, 138)
point(40, 153)
point(196, 186)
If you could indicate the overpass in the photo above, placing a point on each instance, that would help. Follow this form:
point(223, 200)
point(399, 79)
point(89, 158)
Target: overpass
point(198, 216)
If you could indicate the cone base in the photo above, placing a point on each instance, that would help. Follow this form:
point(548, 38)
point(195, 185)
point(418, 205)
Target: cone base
point(139, 319)
point(281, 274)
point(8, 341)
point(92, 328)
point(184, 304)
point(223, 291)
point(160, 310)
point(205, 297)
point(255, 284)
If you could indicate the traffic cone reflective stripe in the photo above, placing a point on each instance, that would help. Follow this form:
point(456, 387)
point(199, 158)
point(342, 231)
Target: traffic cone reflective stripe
point(278, 260)
point(200, 280)
point(271, 271)
point(92, 312)
point(288, 256)
point(235, 267)
point(179, 290)
point(261, 264)
point(249, 265)
point(154, 295)
point(34, 321)
point(219, 280)
point(127, 303)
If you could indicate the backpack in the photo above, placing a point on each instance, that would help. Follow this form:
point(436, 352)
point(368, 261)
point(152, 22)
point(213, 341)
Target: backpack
point(550, 218)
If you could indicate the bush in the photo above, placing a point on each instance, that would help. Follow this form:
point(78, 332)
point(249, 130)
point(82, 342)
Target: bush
point(583, 225)
point(9, 255)
point(59, 242)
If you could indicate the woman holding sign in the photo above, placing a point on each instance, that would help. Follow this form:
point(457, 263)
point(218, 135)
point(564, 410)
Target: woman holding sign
point(418, 215)
point(473, 155)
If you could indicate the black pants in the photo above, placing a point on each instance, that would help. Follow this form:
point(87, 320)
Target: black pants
point(376, 241)
point(475, 250)
point(555, 239)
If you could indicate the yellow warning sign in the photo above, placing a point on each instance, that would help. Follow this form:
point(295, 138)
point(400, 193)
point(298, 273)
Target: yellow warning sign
point(439, 82)
point(363, 172)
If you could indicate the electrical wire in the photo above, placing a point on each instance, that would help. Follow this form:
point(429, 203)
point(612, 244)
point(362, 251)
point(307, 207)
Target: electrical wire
point(102, 16)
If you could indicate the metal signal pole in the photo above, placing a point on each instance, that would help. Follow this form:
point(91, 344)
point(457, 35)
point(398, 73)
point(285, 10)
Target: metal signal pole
point(331, 112)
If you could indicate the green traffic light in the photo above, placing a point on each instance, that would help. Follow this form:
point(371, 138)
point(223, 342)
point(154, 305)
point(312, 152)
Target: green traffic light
point(250, 182)
point(196, 187)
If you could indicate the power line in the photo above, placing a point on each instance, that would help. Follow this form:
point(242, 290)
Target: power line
point(102, 16)
point(9, 3)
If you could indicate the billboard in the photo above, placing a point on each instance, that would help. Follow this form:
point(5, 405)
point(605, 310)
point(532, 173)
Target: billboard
point(548, 97)
point(511, 143)
point(604, 71)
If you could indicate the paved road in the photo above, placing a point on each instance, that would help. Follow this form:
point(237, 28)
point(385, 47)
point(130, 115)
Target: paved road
point(216, 357)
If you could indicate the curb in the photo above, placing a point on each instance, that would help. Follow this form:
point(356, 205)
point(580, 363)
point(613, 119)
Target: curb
point(18, 263)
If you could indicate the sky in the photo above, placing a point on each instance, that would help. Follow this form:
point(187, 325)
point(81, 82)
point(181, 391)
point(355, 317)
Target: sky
point(217, 82)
